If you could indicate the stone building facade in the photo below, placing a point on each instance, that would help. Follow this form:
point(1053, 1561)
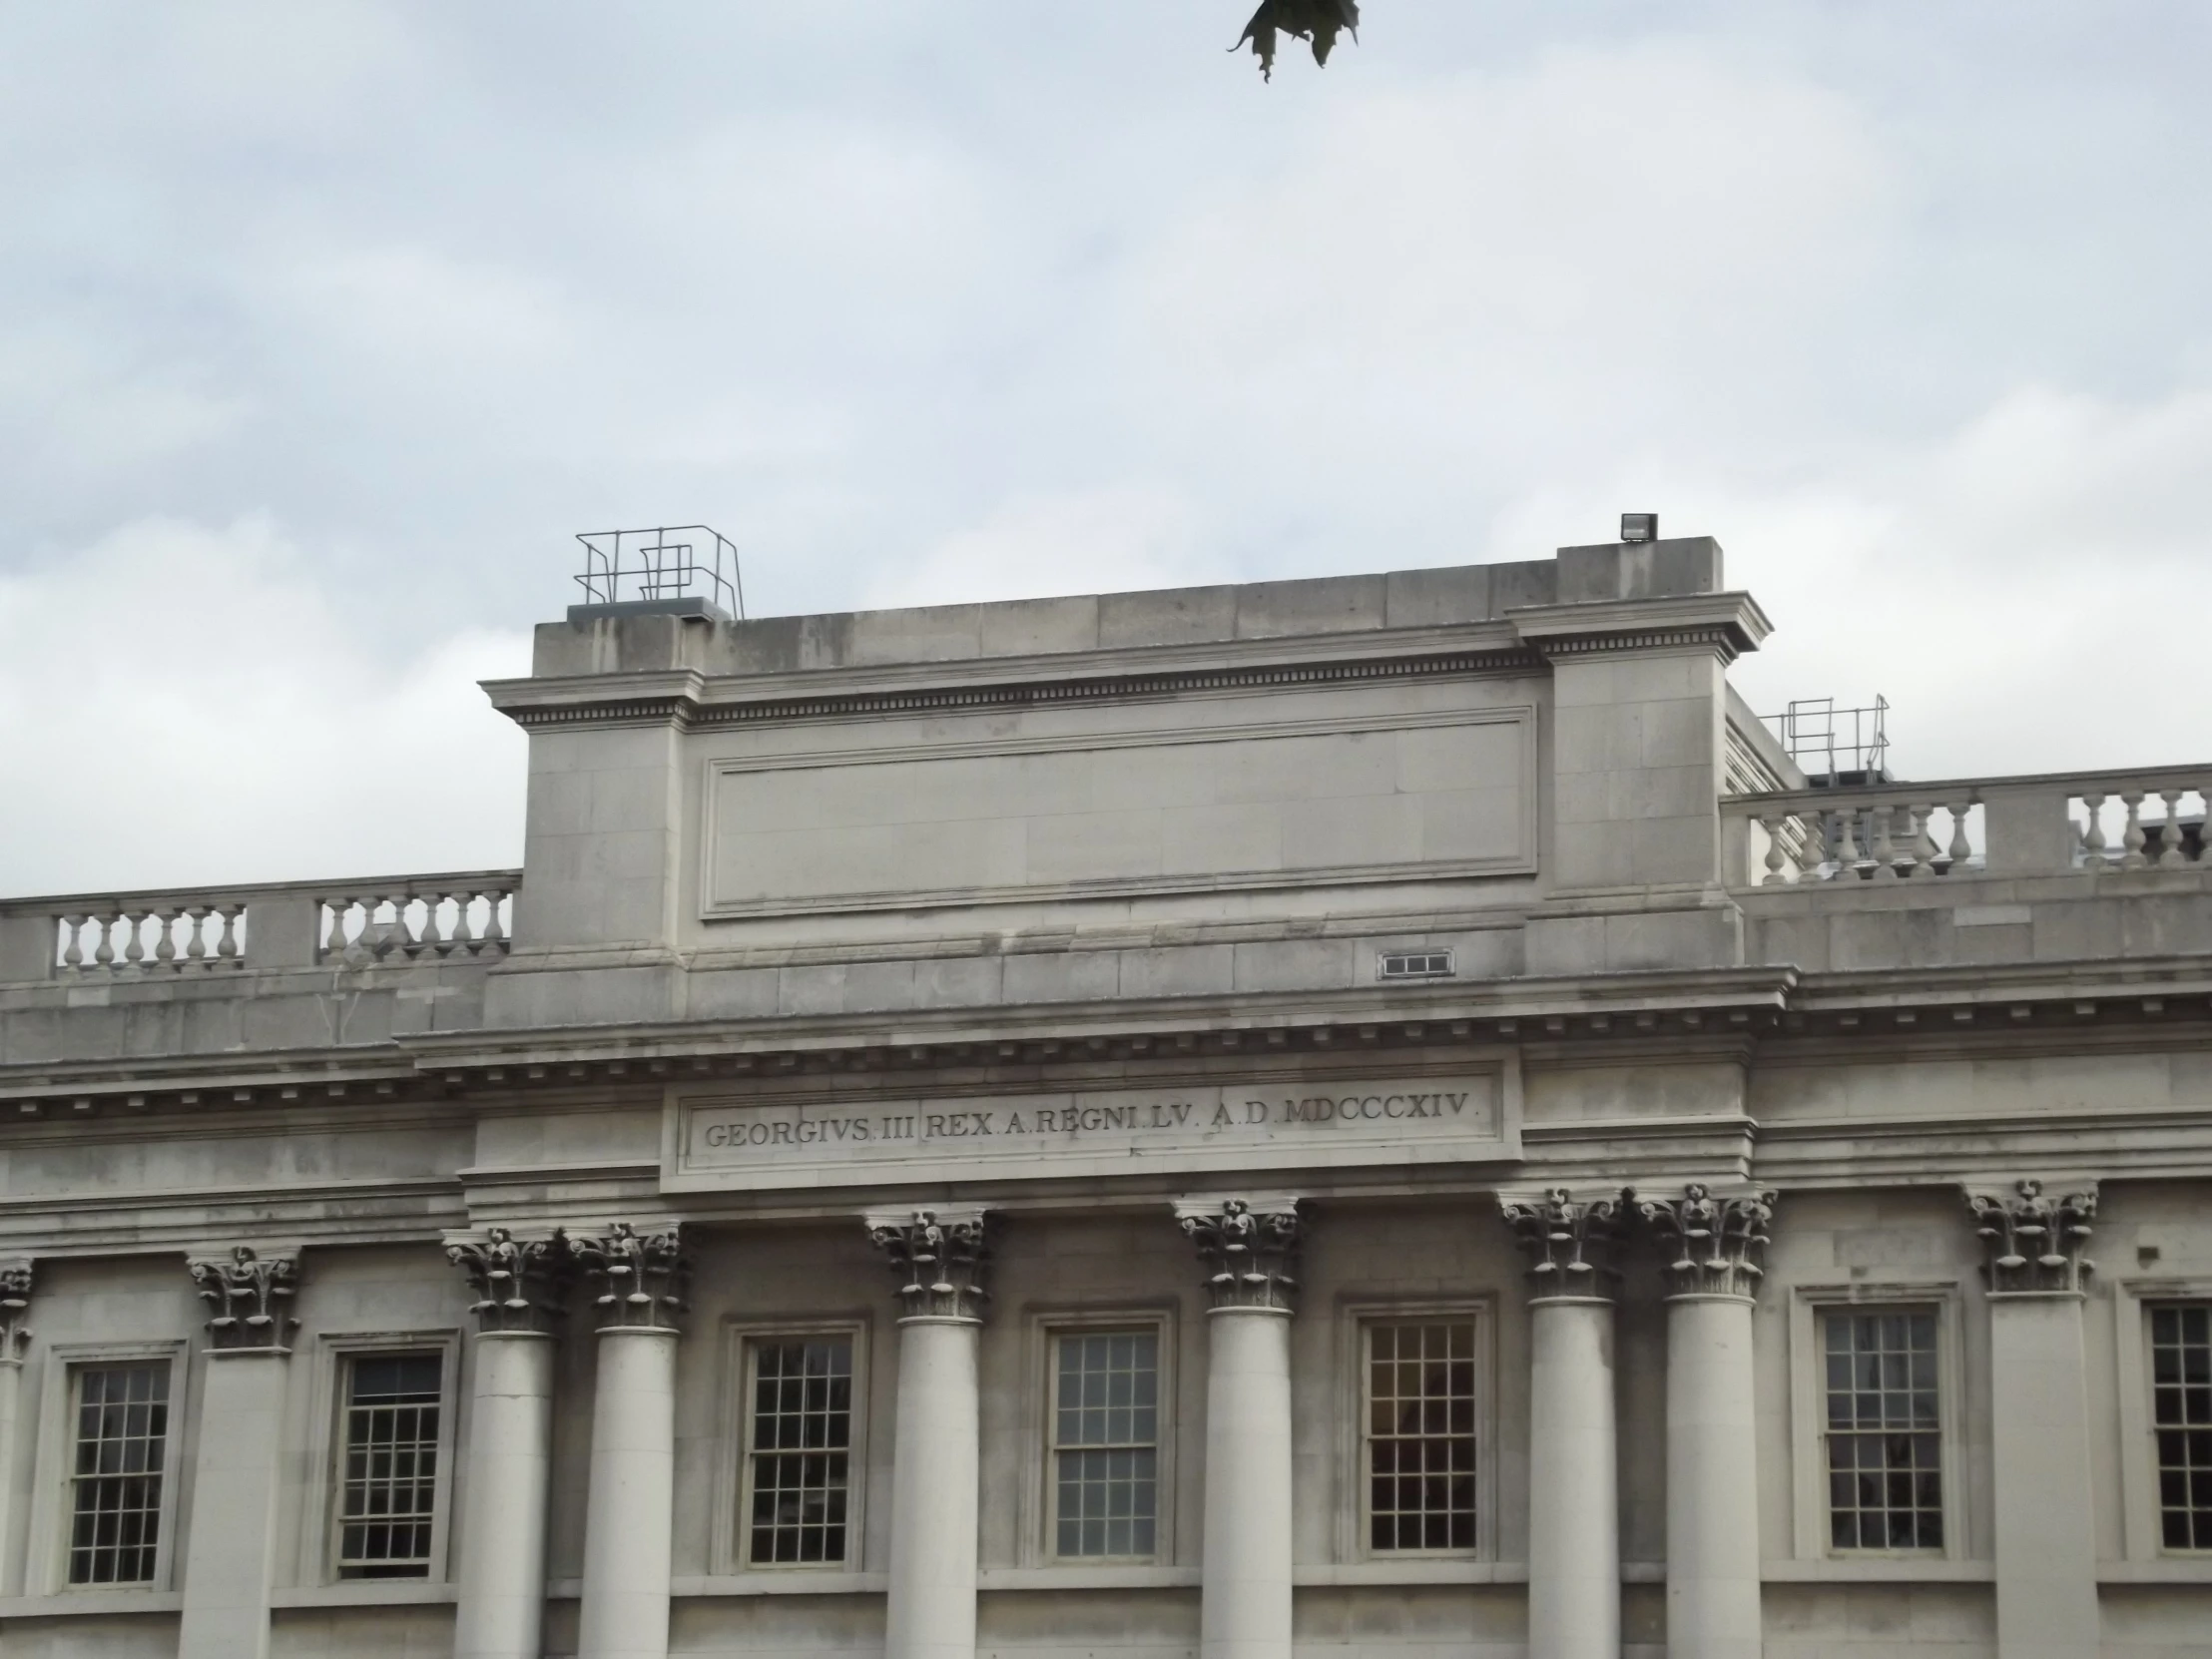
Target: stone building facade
point(1371, 1115)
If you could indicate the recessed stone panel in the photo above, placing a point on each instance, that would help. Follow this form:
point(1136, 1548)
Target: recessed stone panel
point(1428, 793)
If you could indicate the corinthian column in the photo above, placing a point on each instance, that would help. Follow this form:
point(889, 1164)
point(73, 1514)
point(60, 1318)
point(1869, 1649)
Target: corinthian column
point(1574, 1570)
point(15, 1305)
point(941, 1259)
point(518, 1286)
point(638, 1280)
point(2039, 1421)
point(1715, 1250)
point(231, 1550)
point(1250, 1249)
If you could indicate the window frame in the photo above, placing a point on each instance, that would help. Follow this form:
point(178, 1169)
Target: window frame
point(1354, 1518)
point(2142, 1535)
point(1052, 1448)
point(733, 1483)
point(321, 1535)
point(1808, 1410)
point(54, 1461)
point(1037, 1511)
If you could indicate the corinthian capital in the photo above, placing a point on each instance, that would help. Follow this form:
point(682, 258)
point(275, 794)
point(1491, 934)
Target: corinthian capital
point(1569, 1243)
point(518, 1281)
point(941, 1258)
point(1714, 1246)
point(2034, 1243)
point(638, 1279)
point(252, 1297)
point(15, 1306)
point(1250, 1249)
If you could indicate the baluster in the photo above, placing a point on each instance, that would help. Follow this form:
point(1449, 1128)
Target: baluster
point(1923, 844)
point(2170, 856)
point(104, 955)
point(227, 920)
point(443, 935)
point(196, 941)
point(1813, 855)
point(1884, 847)
point(2092, 835)
point(134, 942)
point(73, 942)
point(494, 936)
point(1962, 849)
point(1846, 842)
point(2132, 837)
point(1774, 860)
point(334, 940)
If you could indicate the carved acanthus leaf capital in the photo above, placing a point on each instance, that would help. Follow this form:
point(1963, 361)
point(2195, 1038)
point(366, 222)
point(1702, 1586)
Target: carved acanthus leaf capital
point(251, 1295)
point(519, 1283)
point(2034, 1244)
point(15, 1306)
point(1711, 1246)
point(639, 1281)
point(1570, 1244)
point(1250, 1249)
point(941, 1259)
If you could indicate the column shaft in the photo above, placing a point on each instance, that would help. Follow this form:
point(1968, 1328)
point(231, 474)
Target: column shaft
point(629, 1517)
point(11, 1395)
point(1245, 1606)
point(231, 1546)
point(936, 1470)
point(2039, 1430)
point(501, 1614)
point(1574, 1579)
point(1712, 1480)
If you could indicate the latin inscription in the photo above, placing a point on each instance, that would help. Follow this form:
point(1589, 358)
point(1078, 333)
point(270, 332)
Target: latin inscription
point(1286, 1122)
point(1073, 1121)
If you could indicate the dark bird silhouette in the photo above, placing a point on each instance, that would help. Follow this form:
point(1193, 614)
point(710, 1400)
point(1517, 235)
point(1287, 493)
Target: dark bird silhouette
point(1315, 20)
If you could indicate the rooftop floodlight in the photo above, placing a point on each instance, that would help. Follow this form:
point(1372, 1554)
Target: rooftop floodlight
point(1639, 527)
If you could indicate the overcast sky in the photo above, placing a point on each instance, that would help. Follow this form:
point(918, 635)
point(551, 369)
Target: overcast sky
point(323, 328)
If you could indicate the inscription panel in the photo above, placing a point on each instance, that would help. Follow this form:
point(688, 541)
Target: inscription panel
point(1432, 794)
point(768, 1139)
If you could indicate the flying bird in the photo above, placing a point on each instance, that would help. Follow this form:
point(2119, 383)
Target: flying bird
point(1313, 19)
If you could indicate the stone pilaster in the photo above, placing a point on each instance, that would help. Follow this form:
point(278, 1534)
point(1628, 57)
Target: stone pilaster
point(1574, 1579)
point(637, 1283)
point(1713, 1255)
point(231, 1552)
point(520, 1287)
point(2046, 1554)
point(1249, 1247)
point(942, 1261)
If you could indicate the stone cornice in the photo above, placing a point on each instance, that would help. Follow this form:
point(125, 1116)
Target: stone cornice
point(692, 701)
point(1726, 624)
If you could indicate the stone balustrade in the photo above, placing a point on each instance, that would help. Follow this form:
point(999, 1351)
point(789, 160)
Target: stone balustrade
point(432, 916)
point(2052, 823)
point(260, 926)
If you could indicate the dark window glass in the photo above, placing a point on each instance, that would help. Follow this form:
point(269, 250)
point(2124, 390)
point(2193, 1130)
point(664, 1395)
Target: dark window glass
point(1885, 1431)
point(1106, 1444)
point(802, 1431)
point(2181, 1417)
point(1421, 1435)
point(388, 1487)
point(116, 1480)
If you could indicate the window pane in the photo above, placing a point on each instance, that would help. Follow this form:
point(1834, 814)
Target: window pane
point(801, 1437)
point(116, 1497)
point(1104, 1436)
point(2181, 1412)
point(1421, 1435)
point(388, 1470)
point(1885, 1442)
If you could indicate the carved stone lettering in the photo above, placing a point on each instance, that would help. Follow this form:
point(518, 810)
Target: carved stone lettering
point(763, 1141)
